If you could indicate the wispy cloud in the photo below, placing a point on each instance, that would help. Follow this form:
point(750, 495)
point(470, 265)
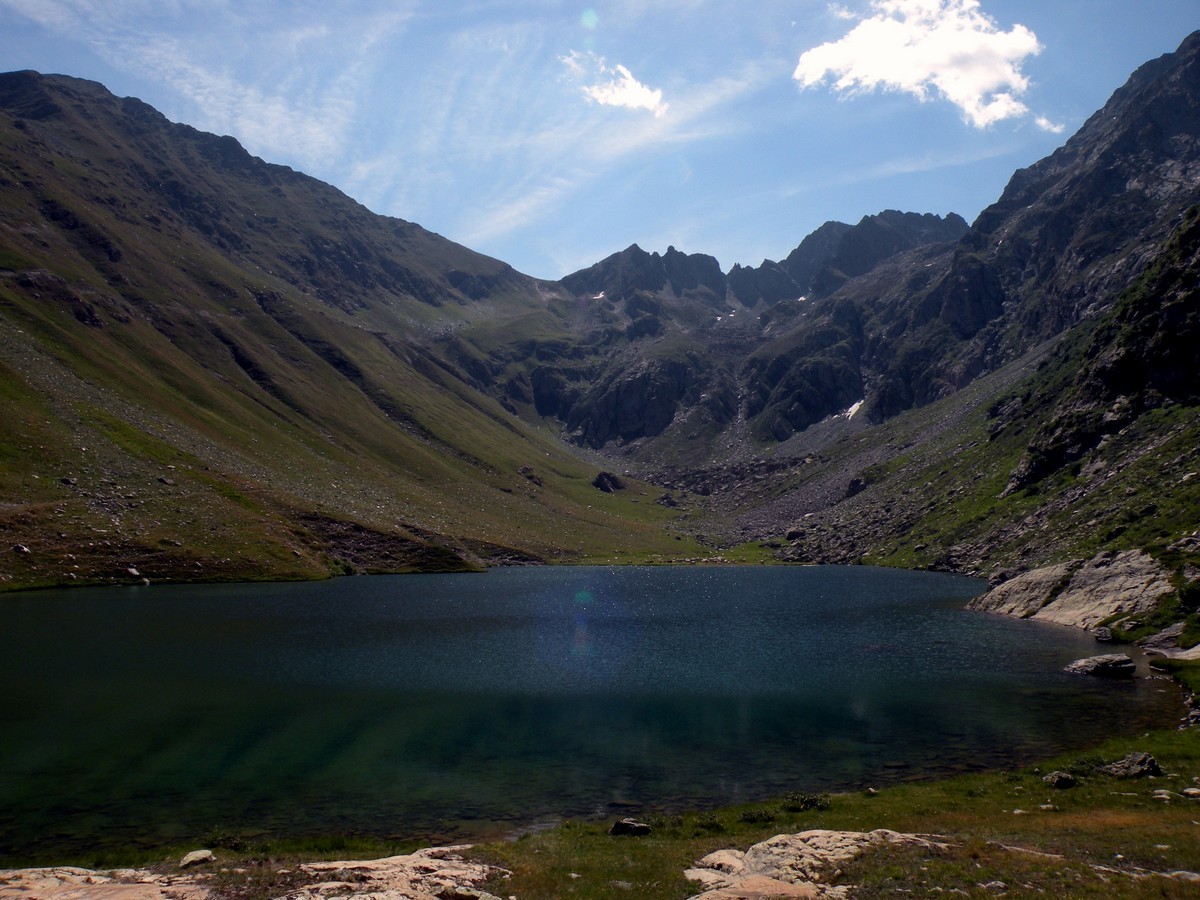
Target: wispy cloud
point(949, 48)
point(566, 155)
point(613, 86)
point(285, 87)
point(932, 161)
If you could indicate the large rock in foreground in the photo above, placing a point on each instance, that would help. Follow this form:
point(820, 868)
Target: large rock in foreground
point(790, 865)
point(436, 873)
point(70, 883)
point(1082, 594)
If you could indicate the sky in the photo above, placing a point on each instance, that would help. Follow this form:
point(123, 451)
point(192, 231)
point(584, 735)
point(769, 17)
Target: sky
point(552, 134)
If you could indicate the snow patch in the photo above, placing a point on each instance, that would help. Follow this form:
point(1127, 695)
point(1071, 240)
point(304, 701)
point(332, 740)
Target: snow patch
point(850, 413)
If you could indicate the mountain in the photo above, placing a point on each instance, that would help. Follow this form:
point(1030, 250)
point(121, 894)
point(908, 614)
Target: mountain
point(214, 367)
point(837, 252)
point(657, 367)
point(885, 316)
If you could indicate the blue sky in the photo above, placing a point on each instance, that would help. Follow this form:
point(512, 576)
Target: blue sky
point(551, 134)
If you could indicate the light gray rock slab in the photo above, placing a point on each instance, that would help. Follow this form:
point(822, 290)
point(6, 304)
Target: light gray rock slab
point(1130, 582)
point(1025, 594)
point(1108, 665)
point(1081, 594)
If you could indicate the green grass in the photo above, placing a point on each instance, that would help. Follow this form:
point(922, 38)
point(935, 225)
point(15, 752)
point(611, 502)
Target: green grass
point(1102, 822)
point(1185, 671)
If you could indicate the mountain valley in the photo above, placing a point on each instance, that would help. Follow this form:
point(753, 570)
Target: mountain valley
point(215, 368)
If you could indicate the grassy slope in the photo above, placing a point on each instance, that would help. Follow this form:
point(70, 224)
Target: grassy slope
point(180, 401)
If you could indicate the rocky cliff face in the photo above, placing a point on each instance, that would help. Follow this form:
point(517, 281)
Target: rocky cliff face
point(1135, 360)
point(837, 252)
point(1069, 232)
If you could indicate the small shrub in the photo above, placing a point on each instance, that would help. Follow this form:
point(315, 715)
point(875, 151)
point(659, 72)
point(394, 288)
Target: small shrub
point(759, 816)
point(665, 821)
point(1189, 598)
point(227, 840)
point(797, 802)
point(709, 822)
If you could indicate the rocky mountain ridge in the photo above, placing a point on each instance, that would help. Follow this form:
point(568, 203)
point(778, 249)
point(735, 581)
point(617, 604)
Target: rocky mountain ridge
point(894, 312)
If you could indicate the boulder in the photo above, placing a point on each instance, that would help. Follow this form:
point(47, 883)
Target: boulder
point(1060, 780)
point(1110, 665)
point(1165, 642)
point(629, 828)
point(608, 482)
point(196, 858)
point(1135, 765)
point(790, 865)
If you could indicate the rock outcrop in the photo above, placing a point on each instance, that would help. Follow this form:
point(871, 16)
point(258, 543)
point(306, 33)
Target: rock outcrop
point(1138, 764)
point(1024, 596)
point(791, 865)
point(1110, 665)
point(1081, 594)
point(436, 873)
point(70, 883)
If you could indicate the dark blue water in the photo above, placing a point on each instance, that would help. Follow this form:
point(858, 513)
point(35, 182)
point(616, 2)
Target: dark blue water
point(438, 705)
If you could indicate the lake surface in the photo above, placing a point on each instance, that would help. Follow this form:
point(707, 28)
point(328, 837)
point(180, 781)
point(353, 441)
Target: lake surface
point(440, 705)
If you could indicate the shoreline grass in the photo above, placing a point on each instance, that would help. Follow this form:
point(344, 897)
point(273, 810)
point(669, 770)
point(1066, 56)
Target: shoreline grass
point(1066, 839)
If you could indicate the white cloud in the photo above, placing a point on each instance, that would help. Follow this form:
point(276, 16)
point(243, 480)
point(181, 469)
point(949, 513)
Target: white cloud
point(614, 86)
point(948, 47)
point(1052, 127)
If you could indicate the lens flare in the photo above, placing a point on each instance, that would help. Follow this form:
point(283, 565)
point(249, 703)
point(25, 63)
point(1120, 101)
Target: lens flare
point(589, 19)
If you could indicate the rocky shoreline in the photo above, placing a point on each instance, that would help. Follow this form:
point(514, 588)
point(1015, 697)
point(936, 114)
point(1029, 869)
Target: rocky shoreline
point(1112, 588)
point(1081, 593)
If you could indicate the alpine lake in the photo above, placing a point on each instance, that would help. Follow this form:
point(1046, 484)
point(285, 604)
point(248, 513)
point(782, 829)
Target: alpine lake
point(448, 706)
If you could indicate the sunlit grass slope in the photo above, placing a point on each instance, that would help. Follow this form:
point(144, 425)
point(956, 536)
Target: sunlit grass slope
point(216, 368)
